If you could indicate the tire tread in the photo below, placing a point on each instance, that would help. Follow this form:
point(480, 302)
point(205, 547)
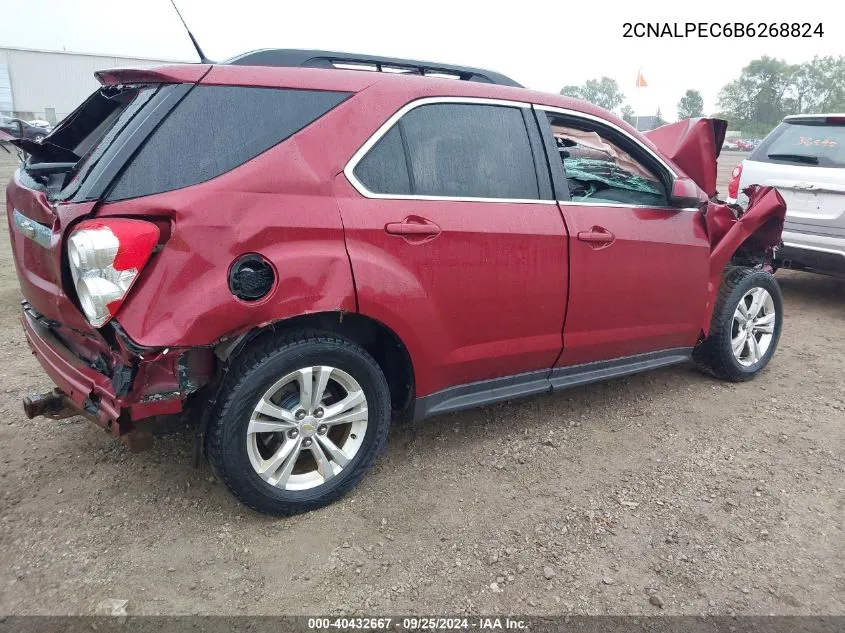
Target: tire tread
point(713, 356)
point(262, 351)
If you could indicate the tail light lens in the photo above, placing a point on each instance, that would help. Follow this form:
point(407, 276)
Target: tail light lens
point(105, 258)
point(733, 186)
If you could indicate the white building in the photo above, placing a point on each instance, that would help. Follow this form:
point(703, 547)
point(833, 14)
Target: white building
point(37, 84)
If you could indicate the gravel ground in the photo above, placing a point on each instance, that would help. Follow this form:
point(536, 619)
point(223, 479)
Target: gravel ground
point(667, 492)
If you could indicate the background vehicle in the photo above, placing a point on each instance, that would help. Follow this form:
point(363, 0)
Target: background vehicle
point(804, 157)
point(18, 128)
point(422, 246)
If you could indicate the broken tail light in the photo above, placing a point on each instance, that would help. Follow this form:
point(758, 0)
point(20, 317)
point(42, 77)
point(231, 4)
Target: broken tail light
point(733, 186)
point(105, 258)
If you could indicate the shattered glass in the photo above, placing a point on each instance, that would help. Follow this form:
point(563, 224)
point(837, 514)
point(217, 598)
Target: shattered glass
point(590, 170)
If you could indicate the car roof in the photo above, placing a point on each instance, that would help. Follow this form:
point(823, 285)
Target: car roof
point(303, 58)
point(810, 117)
point(415, 86)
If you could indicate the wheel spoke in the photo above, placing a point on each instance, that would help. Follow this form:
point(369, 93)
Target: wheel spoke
point(305, 379)
point(765, 323)
point(741, 313)
point(353, 408)
point(284, 458)
point(265, 407)
point(758, 297)
point(267, 426)
point(753, 349)
point(738, 344)
point(324, 467)
point(340, 458)
point(322, 380)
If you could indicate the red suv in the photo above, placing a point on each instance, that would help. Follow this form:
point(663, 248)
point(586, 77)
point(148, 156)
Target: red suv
point(293, 252)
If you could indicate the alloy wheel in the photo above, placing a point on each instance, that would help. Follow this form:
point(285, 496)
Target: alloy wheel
point(307, 427)
point(753, 327)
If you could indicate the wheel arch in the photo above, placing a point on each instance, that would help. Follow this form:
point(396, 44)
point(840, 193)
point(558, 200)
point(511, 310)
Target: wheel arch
point(751, 237)
point(380, 341)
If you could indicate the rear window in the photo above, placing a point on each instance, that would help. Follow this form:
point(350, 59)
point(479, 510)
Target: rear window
point(215, 129)
point(804, 143)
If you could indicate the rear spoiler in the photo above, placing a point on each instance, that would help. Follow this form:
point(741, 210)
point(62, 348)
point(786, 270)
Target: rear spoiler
point(175, 74)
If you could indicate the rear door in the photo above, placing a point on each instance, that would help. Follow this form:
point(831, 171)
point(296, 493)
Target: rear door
point(456, 241)
point(639, 268)
point(805, 159)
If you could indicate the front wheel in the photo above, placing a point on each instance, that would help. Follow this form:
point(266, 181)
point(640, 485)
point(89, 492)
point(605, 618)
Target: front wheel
point(746, 326)
point(301, 421)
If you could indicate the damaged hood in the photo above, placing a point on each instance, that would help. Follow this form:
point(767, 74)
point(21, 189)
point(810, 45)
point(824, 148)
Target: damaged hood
point(693, 145)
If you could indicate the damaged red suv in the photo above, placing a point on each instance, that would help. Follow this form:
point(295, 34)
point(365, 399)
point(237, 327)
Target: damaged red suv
point(291, 254)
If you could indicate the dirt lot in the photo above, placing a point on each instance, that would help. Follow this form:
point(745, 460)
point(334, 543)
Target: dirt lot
point(720, 498)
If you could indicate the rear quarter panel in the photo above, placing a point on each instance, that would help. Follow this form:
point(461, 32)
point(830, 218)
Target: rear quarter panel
point(280, 205)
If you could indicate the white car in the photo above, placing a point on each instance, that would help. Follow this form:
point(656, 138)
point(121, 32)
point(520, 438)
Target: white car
point(804, 158)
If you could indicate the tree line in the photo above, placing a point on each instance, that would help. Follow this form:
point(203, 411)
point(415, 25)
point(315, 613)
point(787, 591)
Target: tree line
point(767, 90)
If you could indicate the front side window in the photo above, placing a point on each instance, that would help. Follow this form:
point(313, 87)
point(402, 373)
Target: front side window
point(599, 170)
point(454, 150)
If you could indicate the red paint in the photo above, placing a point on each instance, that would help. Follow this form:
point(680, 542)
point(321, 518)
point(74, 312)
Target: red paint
point(642, 292)
point(175, 74)
point(485, 297)
point(693, 145)
point(474, 290)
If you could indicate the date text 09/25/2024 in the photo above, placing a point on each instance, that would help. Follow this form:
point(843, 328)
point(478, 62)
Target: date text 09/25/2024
point(721, 29)
point(420, 623)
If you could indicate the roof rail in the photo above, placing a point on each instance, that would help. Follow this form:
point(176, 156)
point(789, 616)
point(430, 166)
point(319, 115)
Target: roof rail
point(289, 57)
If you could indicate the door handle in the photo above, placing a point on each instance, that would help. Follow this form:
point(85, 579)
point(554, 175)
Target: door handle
point(413, 226)
point(597, 235)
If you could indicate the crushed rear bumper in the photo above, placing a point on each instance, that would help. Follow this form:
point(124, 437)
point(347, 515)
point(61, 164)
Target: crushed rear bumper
point(86, 389)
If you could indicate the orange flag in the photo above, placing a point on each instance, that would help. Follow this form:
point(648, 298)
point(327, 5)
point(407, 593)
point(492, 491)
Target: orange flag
point(641, 82)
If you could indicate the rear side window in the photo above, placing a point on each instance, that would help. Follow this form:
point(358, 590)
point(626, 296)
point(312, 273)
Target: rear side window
point(804, 143)
point(384, 169)
point(215, 129)
point(454, 150)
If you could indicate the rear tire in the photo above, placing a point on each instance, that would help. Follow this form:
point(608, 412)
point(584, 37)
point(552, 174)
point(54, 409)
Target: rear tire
point(300, 421)
point(746, 326)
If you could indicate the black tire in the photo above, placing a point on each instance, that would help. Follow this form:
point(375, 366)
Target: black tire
point(251, 376)
point(715, 354)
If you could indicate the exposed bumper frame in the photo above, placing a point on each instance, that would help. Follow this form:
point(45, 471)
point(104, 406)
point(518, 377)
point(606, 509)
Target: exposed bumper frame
point(86, 389)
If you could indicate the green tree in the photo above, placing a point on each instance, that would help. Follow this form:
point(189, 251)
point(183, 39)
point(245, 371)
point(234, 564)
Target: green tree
point(761, 94)
point(603, 92)
point(818, 86)
point(659, 117)
point(691, 105)
point(628, 114)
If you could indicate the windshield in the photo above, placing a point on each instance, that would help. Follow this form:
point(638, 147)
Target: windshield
point(804, 143)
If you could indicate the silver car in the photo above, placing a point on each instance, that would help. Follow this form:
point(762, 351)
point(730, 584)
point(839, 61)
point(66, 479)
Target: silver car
point(804, 157)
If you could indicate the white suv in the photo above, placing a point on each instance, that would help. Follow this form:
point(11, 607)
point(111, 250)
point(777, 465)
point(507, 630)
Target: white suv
point(804, 157)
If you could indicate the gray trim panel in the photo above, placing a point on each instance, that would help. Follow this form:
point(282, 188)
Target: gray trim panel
point(484, 392)
point(813, 229)
point(574, 375)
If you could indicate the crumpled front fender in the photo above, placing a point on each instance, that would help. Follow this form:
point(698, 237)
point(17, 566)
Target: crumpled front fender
point(758, 228)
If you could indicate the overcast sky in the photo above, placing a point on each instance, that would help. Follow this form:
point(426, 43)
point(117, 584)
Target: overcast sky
point(542, 44)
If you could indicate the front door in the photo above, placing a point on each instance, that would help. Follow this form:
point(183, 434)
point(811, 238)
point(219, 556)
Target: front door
point(639, 268)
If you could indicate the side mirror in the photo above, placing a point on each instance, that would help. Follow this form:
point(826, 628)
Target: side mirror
point(685, 193)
